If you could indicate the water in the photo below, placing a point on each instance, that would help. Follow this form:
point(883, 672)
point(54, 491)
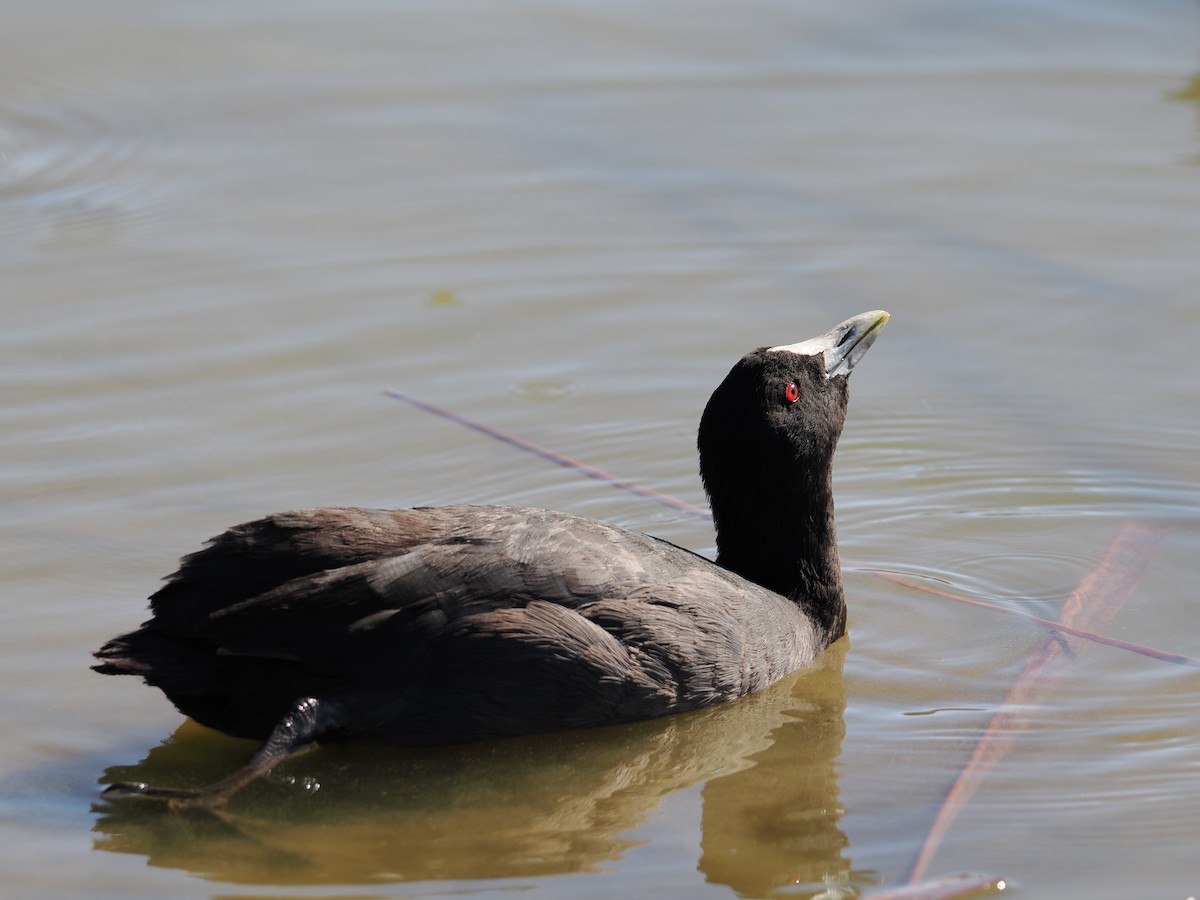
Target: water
point(225, 230)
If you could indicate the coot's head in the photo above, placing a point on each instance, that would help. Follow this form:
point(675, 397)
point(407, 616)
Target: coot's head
point(766, 445)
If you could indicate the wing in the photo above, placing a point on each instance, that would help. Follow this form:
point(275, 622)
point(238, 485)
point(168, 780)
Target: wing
point(256, 557)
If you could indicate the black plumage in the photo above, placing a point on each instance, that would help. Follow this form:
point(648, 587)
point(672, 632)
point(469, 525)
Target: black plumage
point(451, 624)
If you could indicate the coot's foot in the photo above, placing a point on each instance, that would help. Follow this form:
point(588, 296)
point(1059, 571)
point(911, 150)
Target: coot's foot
point(180, 799)
point(303, 723)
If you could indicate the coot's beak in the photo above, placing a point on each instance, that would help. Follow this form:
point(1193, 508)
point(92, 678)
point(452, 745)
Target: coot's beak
point(844, 345)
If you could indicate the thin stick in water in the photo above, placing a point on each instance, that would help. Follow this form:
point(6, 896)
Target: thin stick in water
point(1178, 659)
point(557, 458)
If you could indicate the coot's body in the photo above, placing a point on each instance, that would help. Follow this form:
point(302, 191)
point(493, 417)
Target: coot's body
point(452, 624)
point(446, 629)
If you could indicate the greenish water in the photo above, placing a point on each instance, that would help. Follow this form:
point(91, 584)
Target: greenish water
point(225, 231)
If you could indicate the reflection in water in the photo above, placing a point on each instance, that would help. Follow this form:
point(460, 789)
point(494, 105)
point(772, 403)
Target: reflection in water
point(542, 805)
point(776, 822)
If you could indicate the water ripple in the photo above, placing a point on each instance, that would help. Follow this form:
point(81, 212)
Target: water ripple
point(74, 165)
point(1004, 515)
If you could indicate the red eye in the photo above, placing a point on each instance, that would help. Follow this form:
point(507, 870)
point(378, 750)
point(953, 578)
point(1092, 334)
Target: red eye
point(791, 393)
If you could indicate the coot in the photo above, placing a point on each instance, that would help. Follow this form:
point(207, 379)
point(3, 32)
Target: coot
point(462, 623)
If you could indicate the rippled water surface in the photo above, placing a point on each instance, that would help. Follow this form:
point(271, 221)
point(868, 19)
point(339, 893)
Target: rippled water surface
point(225, 230)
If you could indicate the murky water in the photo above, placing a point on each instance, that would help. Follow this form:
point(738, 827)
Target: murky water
point(225, 230)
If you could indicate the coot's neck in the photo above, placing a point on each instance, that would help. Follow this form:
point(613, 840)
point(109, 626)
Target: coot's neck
point(783, 537)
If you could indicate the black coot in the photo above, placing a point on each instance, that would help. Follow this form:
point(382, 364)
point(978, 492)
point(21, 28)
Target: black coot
point(461, 623)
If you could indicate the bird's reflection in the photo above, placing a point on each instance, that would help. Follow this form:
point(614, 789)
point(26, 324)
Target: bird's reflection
point(541, 805)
